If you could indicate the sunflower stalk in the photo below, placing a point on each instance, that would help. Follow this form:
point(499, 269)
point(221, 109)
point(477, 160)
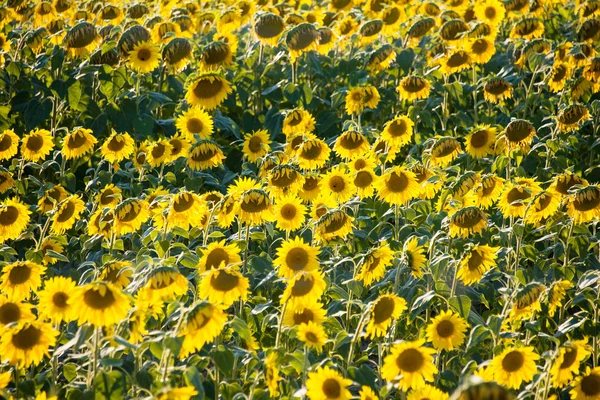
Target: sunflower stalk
point(279, 325)
point(356, 335)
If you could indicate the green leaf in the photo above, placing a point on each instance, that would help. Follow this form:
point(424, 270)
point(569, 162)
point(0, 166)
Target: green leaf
point(192, 377)
point(110, 385)
point(37, 112)
point(74, 96)
point(70, 371)
point(461, 304)
point(224, 359)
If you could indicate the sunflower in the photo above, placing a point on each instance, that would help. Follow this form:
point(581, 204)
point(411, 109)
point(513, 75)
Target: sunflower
point(366, 393)
point(215, 55)
point(561, 72)
point(327, 40)
point(202, 325)
point(185, 210)
point(49, 245)
point(375, 263)
point(102, 223)
point(164, 284)
point(256, 145)
point(362, 97)
point(312, 154)
point(304, 289)
point(476, 262)
point(381, 58)
point(177, 53)
point(118, 273)
point(571, 117)
point(268, 28)
point(289, 213)
point(9, 144)
point(335, 224)
point(78, 143)
point(413, 87)
point(430, 182)
point(144, 57)
point(427, 392)
point(397, 186)
point(327, 384)
point(444, 150)
point(398, 132)
point(467, 221)
point(51, 198)
point(6, 181)
point(446, 331)
point(117, 147)
point(516, 197)
point(205, 154)
point(351, 144)
point(27, 343)
point(480, 142)
point(410, 364)
point(489, 190)
point(583, 206)
point(101, 304)
point(130, 215)
point(158, 153)
point(490, 11)
point(302, 38)
point(109, 197)
point(195, 121)
point(310, 189)
point(527, 28)
point(514, 366)
point(566, 365)
point(223, 286)
point(556, 295)
point(496, 90)
point(337, 184)
point(255, 207)
point(415, 256)
point(456, 61)
point(140, 155)
point(384, 310)
point(271, 372)
point(303, 315)
point(218, 255)
point(20, 278)
point(312, 335)
point(56, 299)
point(208, 90)
point(12, 311)
point(544, 205)
point(14, 218)
point(37, 145)
point(67, 214)
point(587, 386)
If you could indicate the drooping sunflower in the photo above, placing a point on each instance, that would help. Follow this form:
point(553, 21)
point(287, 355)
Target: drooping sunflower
point(384, 310)
point(256, 144)
point(362, 97)
point(571, 117)
point(78, 143)
point(351, 144)
point(561, 72)
point(414, 87)
point(294, 256)
point(102, 223)
point(312, 335)
point(205, 154)
point(117, 147)
point(185, 210)
point(195, 121)
point(303, 315)
point(583, 206)
point(218, 255)
point(20, 278)
point(255, 207)
point(587, 386)
point(56, 299)
point(566, 365)
point(446, 331)
point(514, 366)
point(430, 181)
point(298, 120)
point(527, 303)
point(397, 186)
point(158, 153)
point(27, 343)
point(467, 221)
point(480, 142)
point(67, 213)
point(375, 263)
point(223, 286)
point(527, 28)
point(203, 323)
point(14, 218)
point(51, 198)
point(177, 53)
point(516, 197)
point(144, 57)
point(455, 61)
point(544, 205)
point(303, 290)
point(9, 144)
point(37, 145)
point(327, 384)
point(272, 374)
point(337, 184)
point(6, 181)
point(496, 90)
point(381, 58)
point(117, 272)
point(268, 28)
point(300, 39)
point(48, 245)
point(81, 38)
point(556, 295)
point(444, 150)
point(165, 283)
point(13, 311)
point(335, 224)
point(398, 131)
point(109, 197)
point(415, 256)
point(427, 392)
point(101, 304)
point(207, 90)
point(289, 213)
point(410, 364)
point(312, 154)
point(216, 55)
point(476, 262)
point(489, 190)
point(130, 214)
point(310, 190)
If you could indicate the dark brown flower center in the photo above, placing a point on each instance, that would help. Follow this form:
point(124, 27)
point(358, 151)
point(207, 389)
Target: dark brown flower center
point(288, 212)
point(9, 313)
point(216, 257)
point(94, 299)
point(27, 338)
point(9, 215)
point(513, 361)
point(363, 179)
point(35, 142)
point(183, 202)
point(445, 329)
point(480, 138)
point(255, 144)
point(5, 142)
point(410, 360)
point(397, 182)
point(207, 88)
point(144, 54)
point(569, 357)
point(590, 385)
point(223, 281)
point(59, 299)
point(383, 310)
point(296, 259)
point(302, 286)
point(19, 274)
point(331, 388)
point(337, 184)
point(66, 212)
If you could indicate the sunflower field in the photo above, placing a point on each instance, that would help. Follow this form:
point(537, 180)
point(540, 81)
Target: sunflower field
point(298, 199)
